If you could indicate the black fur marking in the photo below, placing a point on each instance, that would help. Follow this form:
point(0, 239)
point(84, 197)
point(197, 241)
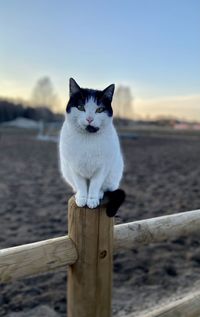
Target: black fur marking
point(82, 95)
point(92, 129)
point(116, 199)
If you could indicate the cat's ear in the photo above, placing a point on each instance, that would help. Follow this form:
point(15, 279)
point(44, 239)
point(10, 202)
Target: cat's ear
point(109, 91)
point(73, 87)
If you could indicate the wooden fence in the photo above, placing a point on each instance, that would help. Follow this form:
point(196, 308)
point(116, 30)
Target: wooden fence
point(88, 252)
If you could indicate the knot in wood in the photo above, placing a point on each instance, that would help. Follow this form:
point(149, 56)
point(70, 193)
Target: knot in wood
point(103, 254)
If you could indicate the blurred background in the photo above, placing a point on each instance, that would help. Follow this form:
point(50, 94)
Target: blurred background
point(151, 51)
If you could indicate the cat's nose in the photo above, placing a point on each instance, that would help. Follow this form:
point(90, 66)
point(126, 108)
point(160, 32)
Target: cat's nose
point(89, 119)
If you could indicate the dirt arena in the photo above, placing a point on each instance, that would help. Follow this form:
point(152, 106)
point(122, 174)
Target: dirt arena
point(162, 176)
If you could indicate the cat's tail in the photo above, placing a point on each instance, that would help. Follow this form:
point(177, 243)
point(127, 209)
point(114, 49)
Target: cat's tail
point(115, 200)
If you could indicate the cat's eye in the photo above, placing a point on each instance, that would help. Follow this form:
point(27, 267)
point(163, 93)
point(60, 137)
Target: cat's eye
point(81, 108)
point(100, 109)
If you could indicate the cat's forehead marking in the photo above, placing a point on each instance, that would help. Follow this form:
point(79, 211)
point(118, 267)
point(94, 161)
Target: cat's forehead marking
point(91, 99)
point(91, 102)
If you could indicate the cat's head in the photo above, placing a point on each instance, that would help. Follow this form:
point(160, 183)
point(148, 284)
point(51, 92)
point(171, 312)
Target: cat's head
point(89, 110)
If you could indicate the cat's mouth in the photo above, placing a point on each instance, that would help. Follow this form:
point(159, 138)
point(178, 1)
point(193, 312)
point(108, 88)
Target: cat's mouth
point(91, 129)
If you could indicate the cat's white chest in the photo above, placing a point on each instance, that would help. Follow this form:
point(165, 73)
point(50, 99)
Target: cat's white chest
point(86, 157)
point(86, 154)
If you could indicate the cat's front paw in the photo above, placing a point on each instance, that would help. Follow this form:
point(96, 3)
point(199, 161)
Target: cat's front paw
point(81, 201)
point(92, 202)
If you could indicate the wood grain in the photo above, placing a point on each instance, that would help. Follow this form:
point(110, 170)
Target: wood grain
point(188, 306)
point(156, 229)
point(36, 258)
point(90, 278)
point(43, 256)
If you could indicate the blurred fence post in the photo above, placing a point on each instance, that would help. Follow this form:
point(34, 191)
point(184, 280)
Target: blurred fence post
point(90, 278)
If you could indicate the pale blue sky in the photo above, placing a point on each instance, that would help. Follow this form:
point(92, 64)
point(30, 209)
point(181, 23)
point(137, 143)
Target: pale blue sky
point(151, 45)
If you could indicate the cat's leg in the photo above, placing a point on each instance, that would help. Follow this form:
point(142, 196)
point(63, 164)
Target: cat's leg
point(94, 191)
point(67, 175)
point(112, 180)
point(81, 190)
point(101, 194)
point(111, 183)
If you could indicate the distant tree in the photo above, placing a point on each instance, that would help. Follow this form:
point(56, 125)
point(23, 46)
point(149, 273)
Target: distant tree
point(10, 111)
point(43, 94)
point(38, 114)
point(123, 102)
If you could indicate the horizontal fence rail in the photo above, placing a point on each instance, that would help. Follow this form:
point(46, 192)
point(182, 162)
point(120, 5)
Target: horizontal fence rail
point(47, 255)
point(188, 306)
point(156, 229)
point(36, 258)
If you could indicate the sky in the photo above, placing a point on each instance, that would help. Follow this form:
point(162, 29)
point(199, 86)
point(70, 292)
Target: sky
point(153, 46)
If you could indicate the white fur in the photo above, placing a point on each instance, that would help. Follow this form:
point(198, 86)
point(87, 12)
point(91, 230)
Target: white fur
point(91, 163)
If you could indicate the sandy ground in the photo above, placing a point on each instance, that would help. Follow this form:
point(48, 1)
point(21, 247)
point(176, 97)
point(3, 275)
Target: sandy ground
point(162, 176)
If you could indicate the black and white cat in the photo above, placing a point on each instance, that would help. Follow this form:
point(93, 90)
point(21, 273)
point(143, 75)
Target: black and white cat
point(90, 156)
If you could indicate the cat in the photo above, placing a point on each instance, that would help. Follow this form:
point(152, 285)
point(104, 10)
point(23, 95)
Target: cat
point(90, 156)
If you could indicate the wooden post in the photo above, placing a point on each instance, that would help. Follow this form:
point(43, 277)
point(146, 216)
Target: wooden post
point(90, 278)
